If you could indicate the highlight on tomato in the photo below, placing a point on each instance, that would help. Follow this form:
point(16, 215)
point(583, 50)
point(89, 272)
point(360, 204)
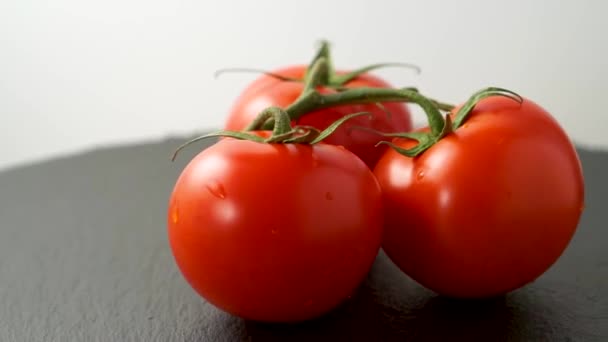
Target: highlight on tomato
point(484, 201)
point(275, 226)
point(284, 86)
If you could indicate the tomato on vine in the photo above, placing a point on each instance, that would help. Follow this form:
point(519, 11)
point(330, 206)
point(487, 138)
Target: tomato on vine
point(275, 226)
point(284, 86)
point(483, 202)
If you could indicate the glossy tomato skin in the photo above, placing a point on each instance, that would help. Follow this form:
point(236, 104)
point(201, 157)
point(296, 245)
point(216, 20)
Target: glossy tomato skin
point(268, 91)
point(275, 232)
point(487, 209)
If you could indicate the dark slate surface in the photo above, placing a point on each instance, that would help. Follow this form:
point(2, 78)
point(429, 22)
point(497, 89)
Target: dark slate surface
point(84, 257)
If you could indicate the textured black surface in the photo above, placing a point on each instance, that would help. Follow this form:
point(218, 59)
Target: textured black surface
point(84, 257)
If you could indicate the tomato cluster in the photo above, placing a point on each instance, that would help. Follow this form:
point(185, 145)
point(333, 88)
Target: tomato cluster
point(282, 218)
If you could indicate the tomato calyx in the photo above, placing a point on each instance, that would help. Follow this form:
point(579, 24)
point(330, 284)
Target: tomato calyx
point(440, 127)
point(282, 131)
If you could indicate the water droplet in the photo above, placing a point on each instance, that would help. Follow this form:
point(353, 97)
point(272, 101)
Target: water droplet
point(217, 190)
point(175, 214)
point(420, 175)
point(329, 196)
point(308, 302)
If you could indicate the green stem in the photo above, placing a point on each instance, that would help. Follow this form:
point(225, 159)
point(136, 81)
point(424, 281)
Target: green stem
point(315, 101)
point(281, 121)
point(446, 107)
point(324, 52)
point(468, 106)
point(311, 100)
point(426, 140)
point(282, 132)
point(317, 75)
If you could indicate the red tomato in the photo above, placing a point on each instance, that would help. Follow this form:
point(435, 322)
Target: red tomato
point(488, 208)
point(275, 232)
point(267, 91)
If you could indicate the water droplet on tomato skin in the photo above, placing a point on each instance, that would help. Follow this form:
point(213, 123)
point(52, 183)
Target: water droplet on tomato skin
point(217, 190)
point(329, 196)
point(420, 175)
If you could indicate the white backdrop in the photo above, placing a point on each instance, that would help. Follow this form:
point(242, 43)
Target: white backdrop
point(76, 74)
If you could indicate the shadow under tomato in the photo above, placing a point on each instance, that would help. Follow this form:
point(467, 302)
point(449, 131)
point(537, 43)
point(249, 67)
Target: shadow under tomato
point(391, 307)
